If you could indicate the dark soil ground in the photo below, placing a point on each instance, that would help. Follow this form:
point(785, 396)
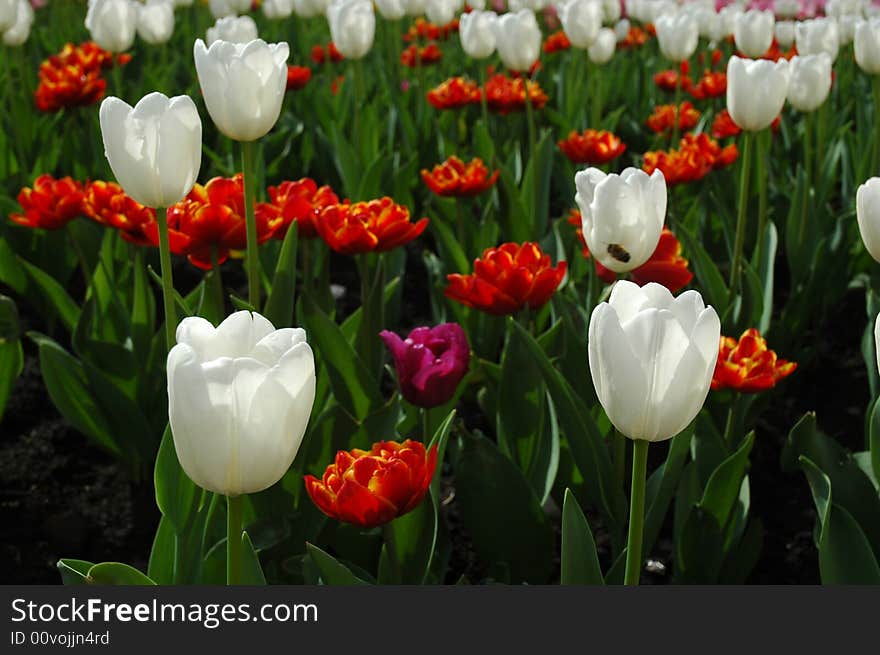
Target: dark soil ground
point(60, 496)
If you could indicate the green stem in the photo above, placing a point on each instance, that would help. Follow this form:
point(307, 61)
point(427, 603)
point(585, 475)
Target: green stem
point(676, 114)
point(808, 164)
point(636, 513)
point(426, 426)
point(729, 425)
point(484, 105)
point(745, 173)
point(216, 284)
point(761, 172)
point(391, 550)
point(167, 278)
point(81, 256)
point(248, 167)
point(530, 118)
point(233, 539)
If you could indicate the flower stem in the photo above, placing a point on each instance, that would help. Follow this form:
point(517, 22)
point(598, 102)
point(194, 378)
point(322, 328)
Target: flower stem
point(426, 426)
point(761, 172)
point(253, 256)
point(808, 163)
point(216, 284)
point(233, 539)
point(636, 513)
point(745, 173)
point(391, 550)
point(167, 277)
point(676, 113)
point(484, 104)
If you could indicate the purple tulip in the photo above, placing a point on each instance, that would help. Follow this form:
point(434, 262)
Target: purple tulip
point(430, 362)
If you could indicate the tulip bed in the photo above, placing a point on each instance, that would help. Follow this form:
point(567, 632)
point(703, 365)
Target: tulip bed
point(418, 294)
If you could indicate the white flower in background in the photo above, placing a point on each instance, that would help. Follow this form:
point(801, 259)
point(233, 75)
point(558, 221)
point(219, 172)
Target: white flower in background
point(239, 401)
point(518, 39)
point(8, 14)
point(786, 8)
point(235, 29)
point(154, 148)
point(677, 35)
point(611, 11)
point(866, 46)
point(622, 215)
point(477, 34)
point(728, 17)
point(221, 8)
point(352, 27)
point(441, 12)
point(846, 27)
point(603, 47)
point(753, 32)
point(810, 81)
point(243, 85)
point(817, 35)
point(652, 357)
point(277, 9)
point(581, 21)
point(112, 23)
point(17, 34)
point(414, 8)
point(621, 29)
point(155, 21)
point(838, 8)
point(310, 8)
point(708, 23)
point(784, 32)
point(756, 91)
point(391, 9)
point(868, 215)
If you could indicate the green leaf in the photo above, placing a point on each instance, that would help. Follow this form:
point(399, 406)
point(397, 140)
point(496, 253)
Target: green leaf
point(65, 307)
point(586, 443)
point(251, 571)
point(706, 271)
point(723, 486)
point(874, 439)
point(280, 303)
point(845, 556)
point(353, 386)
point(161, 565)
point(176, 495)
point(74, 571)
point(68, 387)
point(332, 571)
point(488, 485)
point(580, 562)
point(116, 573)
point(663, 482)
point(765, 269)
point(11, 355)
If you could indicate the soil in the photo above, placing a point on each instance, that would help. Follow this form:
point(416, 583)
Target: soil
point(60, 496)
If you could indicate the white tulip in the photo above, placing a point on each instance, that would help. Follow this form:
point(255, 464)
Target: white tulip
point(728, 17)
point(877, 339)
point(8, 14)
point(310, 8)
point(846, 27)
point(786, 8)
point(652, 357)
point(817, 35)
point(235, 29)
point(868, 215)
point(581, 21)
point(18, 33)
point(784, 32)
point(243, 85)
point(239, 400)
point(277, 9)
point(756, 91)
point(838, 8)
point(518, 39)
point(391, 9)
point(352, 27)
point(611, 11)
point(414, 7)
point(753, 32)
point(603, 47)
point(810, 81)
point(477, 34)
point(477, 5)
point(866, 46)
point(222, 8)
point(112, 23)
point(708, 23)
point(677, 35)
point(154, 148)
point(621, 29)
point(155, 22)
point(441, 12)
point(622, 215)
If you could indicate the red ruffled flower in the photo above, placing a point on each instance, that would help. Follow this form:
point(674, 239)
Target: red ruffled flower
point(505, 94)
point(636, 37)
point(556, 42)
point(72, 78)
point(747, 365)
point(300, 201)
point(108, 204)
point(455, 178)
point(668, 80)
point(372, 487)
point(695, 158)
point(413, 56)
point(423, 30)
point(712, 85)
point(593, 147)
point(298, 77)
point(373, 226)
point(666, 266)
point(320, 55)
point(506, 279)
point(211, 217)
point(454, 93)
point(50, 204)
point(662, 119)
point(723, 126)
